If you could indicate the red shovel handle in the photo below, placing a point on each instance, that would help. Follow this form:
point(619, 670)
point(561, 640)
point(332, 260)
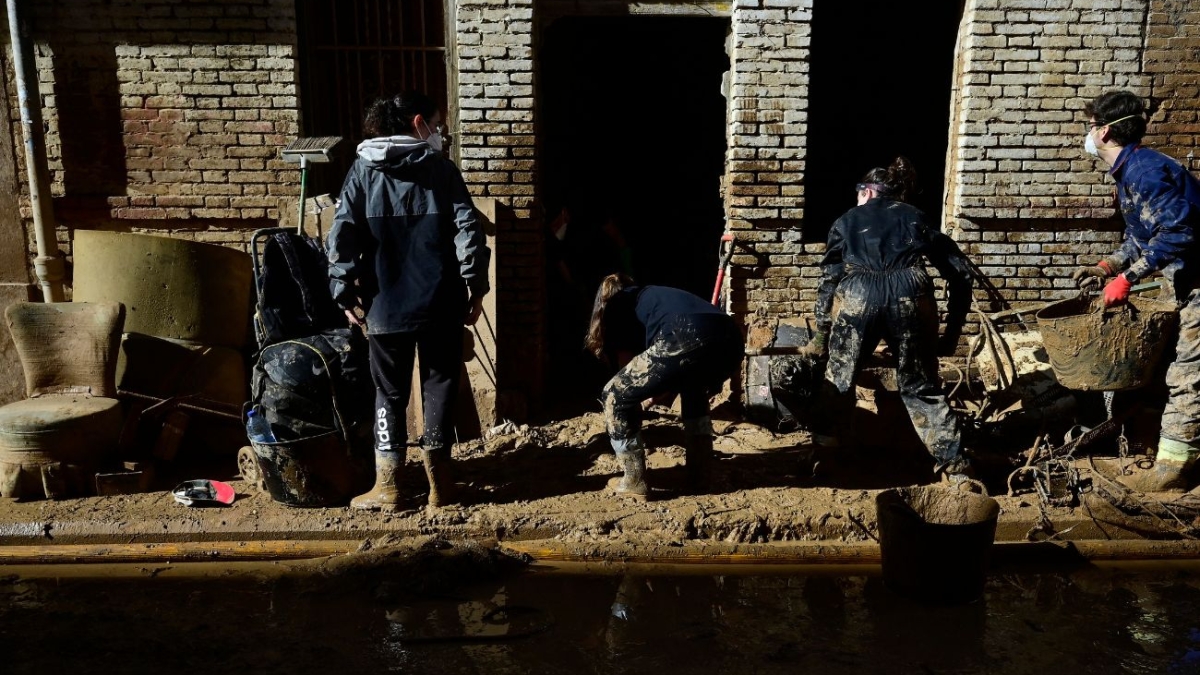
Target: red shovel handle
point(726, 255)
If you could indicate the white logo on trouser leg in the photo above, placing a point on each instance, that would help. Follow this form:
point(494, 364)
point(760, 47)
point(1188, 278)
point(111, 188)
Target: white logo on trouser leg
point(381, 427)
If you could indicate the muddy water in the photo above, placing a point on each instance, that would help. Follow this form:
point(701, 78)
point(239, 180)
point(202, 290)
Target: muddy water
point(264, 618)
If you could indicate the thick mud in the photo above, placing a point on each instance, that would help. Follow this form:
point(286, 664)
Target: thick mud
point(554, 482)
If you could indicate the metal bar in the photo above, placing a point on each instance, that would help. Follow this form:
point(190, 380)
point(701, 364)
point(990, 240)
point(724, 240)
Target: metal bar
point(48, 265)
point(192, 403)
point(358, 36)
point(424, 61)
point(379, 45)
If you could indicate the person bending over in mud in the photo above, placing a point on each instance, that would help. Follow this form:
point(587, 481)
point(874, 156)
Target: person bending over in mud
point(874, 266)
point(1160, 201)
point(663, 340)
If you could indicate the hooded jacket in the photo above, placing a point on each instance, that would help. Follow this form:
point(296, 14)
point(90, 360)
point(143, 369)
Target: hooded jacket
point(407, 233)
point(1160, 201)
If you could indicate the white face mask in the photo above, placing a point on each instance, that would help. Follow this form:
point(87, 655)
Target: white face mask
point(434, 139)
point(1090, 146)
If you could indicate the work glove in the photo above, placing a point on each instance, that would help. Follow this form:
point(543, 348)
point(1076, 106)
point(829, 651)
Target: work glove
point(1091, 278)
point(817, 348)
point(1117, 291)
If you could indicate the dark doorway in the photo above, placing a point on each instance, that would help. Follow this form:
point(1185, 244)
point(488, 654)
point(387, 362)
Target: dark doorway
point(876, 92)
point(632, 134)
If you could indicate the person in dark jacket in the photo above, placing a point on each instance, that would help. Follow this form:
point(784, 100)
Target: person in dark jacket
point(408, 261)
point(1160, 201)
point(664, 340)
point(874, 273)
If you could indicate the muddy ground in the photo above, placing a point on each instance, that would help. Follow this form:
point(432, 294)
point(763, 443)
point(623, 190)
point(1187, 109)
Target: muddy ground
point(554, 481)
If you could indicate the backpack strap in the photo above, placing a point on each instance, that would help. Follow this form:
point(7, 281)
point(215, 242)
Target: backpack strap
point(296, 269)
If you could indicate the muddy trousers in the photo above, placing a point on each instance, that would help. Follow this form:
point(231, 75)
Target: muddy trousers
point(1180, 435)
point(696, 369)
point(392, 356)
point(910, 327)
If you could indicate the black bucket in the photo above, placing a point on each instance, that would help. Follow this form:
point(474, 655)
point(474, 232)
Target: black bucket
point(935, 542)
point(314, 472)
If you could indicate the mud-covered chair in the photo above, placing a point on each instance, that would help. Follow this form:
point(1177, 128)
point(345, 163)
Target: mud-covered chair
point(52, 442)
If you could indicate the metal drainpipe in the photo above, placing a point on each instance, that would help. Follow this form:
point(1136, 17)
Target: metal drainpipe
point(48, 264)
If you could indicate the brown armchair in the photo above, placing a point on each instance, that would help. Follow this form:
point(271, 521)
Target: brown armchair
point(52, 442)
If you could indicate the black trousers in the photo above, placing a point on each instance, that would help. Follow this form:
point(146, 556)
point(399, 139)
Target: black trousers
point(909, 324)
point(440, 349)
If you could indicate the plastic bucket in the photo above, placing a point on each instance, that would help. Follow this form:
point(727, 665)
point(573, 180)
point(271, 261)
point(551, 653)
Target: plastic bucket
point(935, 542)
point(1115, 349)
point(313, 472)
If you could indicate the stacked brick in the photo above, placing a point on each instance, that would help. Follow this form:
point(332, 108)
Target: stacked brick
point(1027, 67)
point(1025, 201)
point(188, 103)
point(1172, 61)
point(773, 272)
point(497, 153)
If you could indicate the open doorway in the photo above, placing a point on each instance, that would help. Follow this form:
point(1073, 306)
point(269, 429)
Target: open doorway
point(876, 92)
point(632, 134)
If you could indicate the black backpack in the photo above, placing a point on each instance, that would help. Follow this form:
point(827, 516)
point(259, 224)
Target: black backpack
point(292, 284)
point(314, 385)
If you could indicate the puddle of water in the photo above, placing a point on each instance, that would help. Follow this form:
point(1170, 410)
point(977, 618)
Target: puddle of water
point(568, 619)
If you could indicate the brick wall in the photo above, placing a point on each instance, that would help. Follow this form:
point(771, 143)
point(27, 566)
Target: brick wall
point(772, 273)
point(167, 116)
point(497, 153)
point(1026, 202)
point(1172, 62)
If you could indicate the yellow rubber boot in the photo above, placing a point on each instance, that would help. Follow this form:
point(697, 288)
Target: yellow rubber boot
point(385, 496)
point(440, 475)
point(1172, 465)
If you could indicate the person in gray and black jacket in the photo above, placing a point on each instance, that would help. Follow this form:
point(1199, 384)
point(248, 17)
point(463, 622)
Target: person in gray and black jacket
point(408, 261)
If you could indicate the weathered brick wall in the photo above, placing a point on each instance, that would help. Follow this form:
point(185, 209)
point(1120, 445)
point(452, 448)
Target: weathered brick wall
point(1026, 202)
point(1172, 61)
point(497, 153)
point(167, 116)
point(773, 272)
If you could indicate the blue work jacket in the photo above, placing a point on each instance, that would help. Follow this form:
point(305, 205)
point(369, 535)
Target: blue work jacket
point(1160, 201)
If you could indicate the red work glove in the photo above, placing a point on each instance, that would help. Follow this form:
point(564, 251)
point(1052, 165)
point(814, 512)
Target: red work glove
point(1117, 291)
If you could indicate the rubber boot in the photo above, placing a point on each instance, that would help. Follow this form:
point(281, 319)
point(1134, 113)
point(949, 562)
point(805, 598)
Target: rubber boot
point(1174, 461)
point(440, 475)
point(385, 496)
point(632, 456)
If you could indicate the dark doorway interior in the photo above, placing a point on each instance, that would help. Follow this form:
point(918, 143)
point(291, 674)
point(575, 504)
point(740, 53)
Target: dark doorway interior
point(632, 133)
point(875, 92)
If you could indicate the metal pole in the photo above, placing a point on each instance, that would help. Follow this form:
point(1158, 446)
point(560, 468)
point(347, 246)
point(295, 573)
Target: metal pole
point(303, 191)
point(48, 264)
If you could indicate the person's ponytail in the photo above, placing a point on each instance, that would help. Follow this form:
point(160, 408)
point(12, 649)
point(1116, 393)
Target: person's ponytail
point(609, 286)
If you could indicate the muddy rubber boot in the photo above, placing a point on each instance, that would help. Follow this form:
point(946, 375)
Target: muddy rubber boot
point(385, 496)
point(1170, 473)
point(631, 454)
point(440, 475)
